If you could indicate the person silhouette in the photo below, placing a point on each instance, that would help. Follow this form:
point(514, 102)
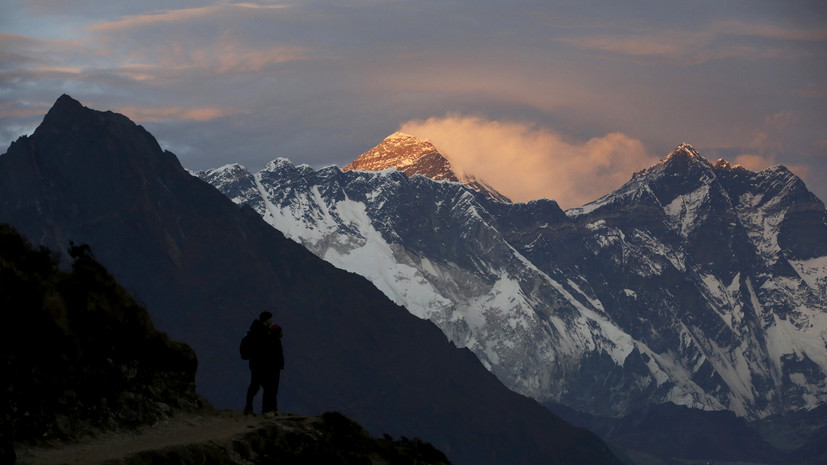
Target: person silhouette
point(266, 363)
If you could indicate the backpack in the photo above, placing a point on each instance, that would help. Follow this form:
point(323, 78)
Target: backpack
point(246, 347)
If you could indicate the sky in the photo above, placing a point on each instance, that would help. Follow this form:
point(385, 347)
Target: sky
point(561, 99)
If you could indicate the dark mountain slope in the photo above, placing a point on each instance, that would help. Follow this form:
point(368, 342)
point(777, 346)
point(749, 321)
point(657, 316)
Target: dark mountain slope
point(79, 355)
point(205, 267)
point(84, 368)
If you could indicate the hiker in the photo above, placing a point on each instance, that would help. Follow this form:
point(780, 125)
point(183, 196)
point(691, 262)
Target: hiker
point(266, 362)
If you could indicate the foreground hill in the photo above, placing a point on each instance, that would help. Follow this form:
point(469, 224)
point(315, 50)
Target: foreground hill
point(79, 355)
point(205, 267)
point(89, 380)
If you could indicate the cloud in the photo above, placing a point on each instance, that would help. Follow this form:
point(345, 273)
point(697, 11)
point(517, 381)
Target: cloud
point(716, 41)
point(526, 163)
point(167, 16)
point(780, 120)
point(156, 114)
point(173, 16)
point(139, 60)
point(667, 44)
point(18, 109)
point(754, 162)
point(770, 31)
point(223, 56)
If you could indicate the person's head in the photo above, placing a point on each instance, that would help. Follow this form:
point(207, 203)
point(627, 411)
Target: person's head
point(266, 318)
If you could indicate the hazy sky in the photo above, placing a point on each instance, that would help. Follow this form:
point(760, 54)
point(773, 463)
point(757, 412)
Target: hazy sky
point(540, 98)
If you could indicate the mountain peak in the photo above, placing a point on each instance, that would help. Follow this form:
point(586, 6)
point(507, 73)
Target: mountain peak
point(408, 154)
point(723, 164)
point(68, 115)
point(686, 151)
point(412, 155)
point(64, 108)
point(402, 136)
point(679, 160)
point(66, 102)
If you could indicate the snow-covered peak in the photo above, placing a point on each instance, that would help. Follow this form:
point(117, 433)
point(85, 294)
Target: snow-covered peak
point(684, 154)
point(722, 164)
point(685, 149)
point(278, 163)
point(402, 137)
point(226, 174)
point(412, 155)
point(225, 169)
point(681, 171)
point(404, 153)
point(234, 180)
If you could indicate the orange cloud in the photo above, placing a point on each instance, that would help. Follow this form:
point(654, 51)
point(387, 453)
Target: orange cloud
point(527, 163)
point(155, 114)
point(225, 56)
point(166, 16)
point(172, 16)
point(662, 44)
point(229, 55)
point(770, 31)
point(706, 43)
point(755, 162)
point(16, 109)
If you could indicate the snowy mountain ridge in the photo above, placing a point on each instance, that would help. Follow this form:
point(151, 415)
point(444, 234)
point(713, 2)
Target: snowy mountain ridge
point(694, 283)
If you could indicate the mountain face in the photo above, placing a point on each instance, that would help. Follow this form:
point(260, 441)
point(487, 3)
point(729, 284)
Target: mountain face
point(698, 284)
point(205, 267)
point(412, 156)
point(734, 265)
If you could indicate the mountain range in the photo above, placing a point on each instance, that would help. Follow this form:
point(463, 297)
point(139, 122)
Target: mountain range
point(204, 267)
point(696, 283)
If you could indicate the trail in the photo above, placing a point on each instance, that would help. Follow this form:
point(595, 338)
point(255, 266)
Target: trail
point(222, 426)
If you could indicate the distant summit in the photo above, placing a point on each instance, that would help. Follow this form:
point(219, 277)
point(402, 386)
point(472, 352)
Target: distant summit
point(685, 150)
point(412, 155)
point(685, 155)
point(408, 154)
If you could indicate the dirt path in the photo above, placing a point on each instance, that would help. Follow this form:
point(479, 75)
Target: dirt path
point(185, 429)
